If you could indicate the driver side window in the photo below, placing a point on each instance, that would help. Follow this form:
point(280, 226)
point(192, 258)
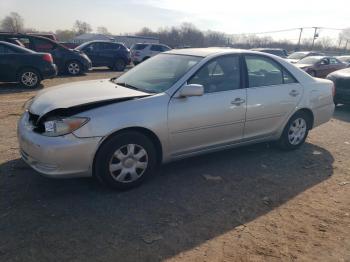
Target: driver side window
point(220, 74)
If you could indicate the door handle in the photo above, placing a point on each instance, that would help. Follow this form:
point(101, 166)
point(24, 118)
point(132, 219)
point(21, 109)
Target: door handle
point(294, 93)
point(238, 101)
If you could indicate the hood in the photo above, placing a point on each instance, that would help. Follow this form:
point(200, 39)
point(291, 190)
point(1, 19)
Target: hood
point(343, 73)
point(293, 61)
point(302, 65)
point(80, 93)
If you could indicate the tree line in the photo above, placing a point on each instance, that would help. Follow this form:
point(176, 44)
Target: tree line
point(187, 35)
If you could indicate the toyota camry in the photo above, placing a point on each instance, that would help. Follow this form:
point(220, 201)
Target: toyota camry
point(175, 105)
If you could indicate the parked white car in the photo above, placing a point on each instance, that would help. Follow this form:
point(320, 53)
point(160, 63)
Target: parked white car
point(175, 105)
point(141, 52)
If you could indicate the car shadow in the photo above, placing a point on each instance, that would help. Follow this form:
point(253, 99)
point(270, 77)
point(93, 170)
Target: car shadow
point(187, 203)
point(342, 112)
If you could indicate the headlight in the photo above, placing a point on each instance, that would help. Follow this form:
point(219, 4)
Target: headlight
point(28, 103)
point(60, 127)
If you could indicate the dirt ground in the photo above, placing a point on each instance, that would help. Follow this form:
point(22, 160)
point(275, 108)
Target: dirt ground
point(248, 204)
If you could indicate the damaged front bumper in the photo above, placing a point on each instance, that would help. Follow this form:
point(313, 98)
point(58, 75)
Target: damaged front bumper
point(59, 157)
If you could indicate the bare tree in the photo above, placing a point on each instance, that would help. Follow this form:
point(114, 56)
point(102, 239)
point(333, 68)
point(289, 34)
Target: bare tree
point(102, 30)
point(64, 35)
point(81, 27)
point(12, 23)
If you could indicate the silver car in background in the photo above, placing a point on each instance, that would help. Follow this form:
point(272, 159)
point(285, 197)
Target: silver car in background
point(175, 105)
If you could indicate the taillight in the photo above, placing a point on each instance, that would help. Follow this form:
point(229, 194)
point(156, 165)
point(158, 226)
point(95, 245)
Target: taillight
point(48, 58)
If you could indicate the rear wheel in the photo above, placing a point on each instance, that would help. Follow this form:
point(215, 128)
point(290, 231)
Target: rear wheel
point(29, 78)
point(125, 160)
point(119, 65)
point(295, 132)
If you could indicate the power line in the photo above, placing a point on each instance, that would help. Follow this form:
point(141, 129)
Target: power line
point(290, 29)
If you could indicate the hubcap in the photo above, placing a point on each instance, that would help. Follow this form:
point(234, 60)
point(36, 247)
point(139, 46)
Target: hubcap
point(128, 163)
point(29, 79)
point(73, 68)
point(297, 131)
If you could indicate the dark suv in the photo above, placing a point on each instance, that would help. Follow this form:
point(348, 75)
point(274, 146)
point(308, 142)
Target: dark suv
point(67, 60)
point(102, 53)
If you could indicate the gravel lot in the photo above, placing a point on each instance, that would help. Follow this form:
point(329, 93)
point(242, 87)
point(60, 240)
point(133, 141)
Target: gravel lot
point(249, 204)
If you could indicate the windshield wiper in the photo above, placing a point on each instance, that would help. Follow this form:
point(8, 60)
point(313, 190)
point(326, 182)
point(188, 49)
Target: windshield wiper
point(127, 85)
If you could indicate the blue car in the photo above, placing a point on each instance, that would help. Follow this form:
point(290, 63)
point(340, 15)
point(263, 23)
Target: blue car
point(116, 56)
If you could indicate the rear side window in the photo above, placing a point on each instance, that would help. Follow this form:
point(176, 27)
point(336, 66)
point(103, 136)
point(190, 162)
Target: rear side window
point(220, 74)
point(4, 50)
point(140, 46)
point(42, 45)
point(333, 61)
point(263, 71)
point(157, 48)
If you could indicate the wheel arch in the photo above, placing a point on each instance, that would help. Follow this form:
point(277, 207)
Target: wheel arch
point(142, 130)
point(22, 68)
point(309, 113)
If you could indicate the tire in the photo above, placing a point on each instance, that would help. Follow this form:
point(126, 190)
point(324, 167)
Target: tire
point(117, 167)
point(29, 78)
point(299, 122)
point(74, 68)
point(119, 65)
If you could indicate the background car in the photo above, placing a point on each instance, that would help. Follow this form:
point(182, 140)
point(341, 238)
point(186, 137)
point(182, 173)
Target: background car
point(341, 80)
point(274, 51)
point(102, 53)
point(345, 59)
point(296, 56)
point(320, 66)
point(177, 104)
point(18, 64)
point(67, 60)
point(141, 52)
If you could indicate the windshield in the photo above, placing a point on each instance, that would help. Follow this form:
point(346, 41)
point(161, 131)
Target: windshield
point(158, 73)
point(82, 46)
point(310, 60)
point(297, 55)
point(344, 59)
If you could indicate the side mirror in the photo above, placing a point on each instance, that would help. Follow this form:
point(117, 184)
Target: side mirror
point(191, 90)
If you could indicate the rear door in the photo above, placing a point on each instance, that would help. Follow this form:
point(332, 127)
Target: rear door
point(272, 94)
point(215, 118)
point(93, 52)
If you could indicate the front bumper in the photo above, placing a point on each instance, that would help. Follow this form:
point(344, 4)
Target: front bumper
point(59, 157)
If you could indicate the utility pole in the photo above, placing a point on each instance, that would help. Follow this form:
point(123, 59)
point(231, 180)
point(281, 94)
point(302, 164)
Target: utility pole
point(298, 47)
point(315, 36)
point(346, 44)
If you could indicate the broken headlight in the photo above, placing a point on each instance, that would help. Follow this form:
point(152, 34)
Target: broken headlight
point(63, 126)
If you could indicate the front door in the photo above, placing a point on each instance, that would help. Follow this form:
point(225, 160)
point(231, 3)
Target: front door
point(215, 118)
point(272, 94)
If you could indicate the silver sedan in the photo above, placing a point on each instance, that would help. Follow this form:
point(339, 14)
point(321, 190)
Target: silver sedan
point(175, 105)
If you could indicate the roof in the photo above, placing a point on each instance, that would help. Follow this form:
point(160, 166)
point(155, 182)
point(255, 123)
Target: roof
point(203, 52)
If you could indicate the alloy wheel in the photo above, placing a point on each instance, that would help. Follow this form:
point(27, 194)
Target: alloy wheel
point(74, 68)
point(29, 79)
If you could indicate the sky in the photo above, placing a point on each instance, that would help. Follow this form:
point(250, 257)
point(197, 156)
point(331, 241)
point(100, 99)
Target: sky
point(229, 16)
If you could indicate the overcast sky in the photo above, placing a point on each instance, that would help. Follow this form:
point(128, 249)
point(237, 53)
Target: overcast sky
point(127, 16)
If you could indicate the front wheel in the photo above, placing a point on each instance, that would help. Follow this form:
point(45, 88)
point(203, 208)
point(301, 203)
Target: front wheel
point(29, 78)
point(74, 68)
point(295, 132)
point(125, 160)
point(119, 65)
